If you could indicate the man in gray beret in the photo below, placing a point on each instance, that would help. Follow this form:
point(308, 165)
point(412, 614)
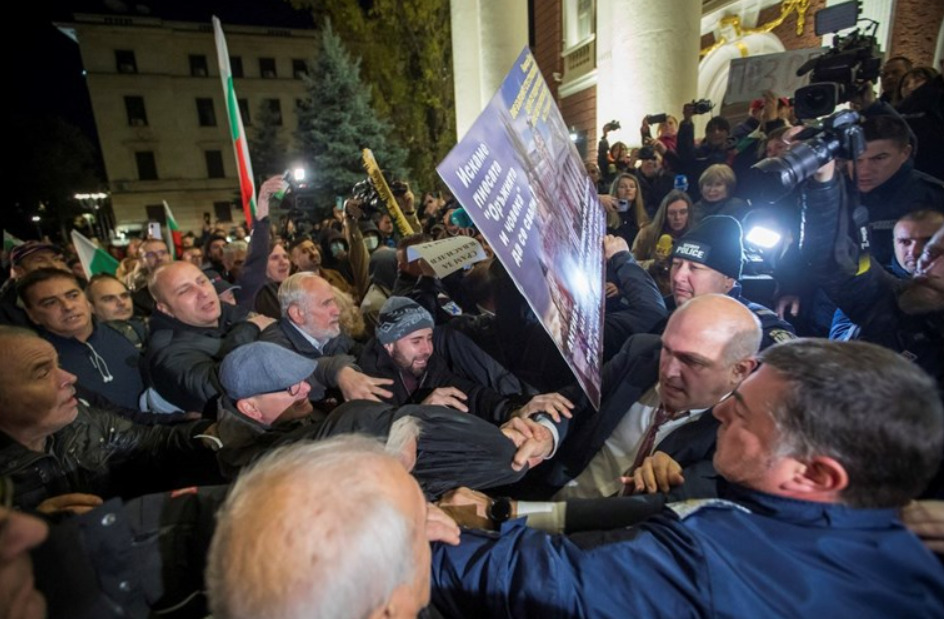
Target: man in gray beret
point(402, 350)
point(265, 405)
point(265, 395)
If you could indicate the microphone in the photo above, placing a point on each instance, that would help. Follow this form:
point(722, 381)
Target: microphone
point(664, 247)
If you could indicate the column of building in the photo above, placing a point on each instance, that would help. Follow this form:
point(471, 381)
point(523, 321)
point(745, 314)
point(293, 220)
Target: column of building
point(487, 37)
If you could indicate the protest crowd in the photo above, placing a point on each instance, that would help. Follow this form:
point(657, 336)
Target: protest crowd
point(308, 421)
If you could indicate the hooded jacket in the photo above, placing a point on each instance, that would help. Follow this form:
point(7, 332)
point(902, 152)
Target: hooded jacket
point(106, 363)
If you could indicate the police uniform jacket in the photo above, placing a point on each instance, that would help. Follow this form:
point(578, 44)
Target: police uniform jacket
point(752, 555)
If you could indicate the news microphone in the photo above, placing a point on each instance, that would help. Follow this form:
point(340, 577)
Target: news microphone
point(664, 247)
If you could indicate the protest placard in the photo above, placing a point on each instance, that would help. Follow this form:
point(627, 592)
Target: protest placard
point(519, 177)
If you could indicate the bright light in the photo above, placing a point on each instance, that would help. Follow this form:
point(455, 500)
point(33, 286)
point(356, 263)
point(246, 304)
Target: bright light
point(36, 219)
point(574, 136)
point(298, 174)
point(580, 283)
point(91, 196)
point(763, 237)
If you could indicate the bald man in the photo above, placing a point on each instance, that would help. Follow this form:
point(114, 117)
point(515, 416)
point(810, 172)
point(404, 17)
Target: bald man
point(657, 396)
point(191, 332)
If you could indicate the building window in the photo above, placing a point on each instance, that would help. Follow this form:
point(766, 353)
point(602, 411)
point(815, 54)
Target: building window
point(147, 168)
point(299, 68)
point(125, 62)
point(578, 22)
point(275, 106)
point(236, 65)
point(223, 210)
point(137, 116)
point(198, 65)
point(244, 111)
point(214, 161)
point(206, 115)
point(267, 68)
point(579, 54)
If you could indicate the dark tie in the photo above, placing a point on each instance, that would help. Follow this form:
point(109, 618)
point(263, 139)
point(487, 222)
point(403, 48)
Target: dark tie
point(659, 418)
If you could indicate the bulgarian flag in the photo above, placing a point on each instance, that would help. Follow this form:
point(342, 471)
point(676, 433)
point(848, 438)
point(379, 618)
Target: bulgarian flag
point(174, 240)
point(247, 188)
point(94, 259)
point(10, 241)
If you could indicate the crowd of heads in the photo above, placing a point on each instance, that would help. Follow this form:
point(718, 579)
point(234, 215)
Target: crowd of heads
point(343, 518)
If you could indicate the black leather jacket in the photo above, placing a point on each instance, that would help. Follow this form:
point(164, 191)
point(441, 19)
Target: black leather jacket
point(101, 453)
point(861, 288)
point(183, 361)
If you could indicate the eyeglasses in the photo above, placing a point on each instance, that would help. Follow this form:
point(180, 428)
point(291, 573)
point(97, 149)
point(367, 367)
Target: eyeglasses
point(292, 390)
point(155, 254)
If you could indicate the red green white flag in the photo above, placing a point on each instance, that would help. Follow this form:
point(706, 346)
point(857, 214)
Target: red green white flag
point(10, 241)
point(174, 238)
point(94, 259)
point(247, 188)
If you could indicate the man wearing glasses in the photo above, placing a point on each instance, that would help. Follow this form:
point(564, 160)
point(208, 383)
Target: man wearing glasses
point(153, 254)
point(818, 450)
point(265, 404)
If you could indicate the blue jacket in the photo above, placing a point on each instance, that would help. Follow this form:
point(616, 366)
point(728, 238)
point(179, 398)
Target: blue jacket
point(107, 364)
point(755, 555)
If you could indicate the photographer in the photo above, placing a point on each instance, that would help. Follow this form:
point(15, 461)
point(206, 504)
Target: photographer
point(692, 160)
point(906, 316)
point(655, 181)
point(889, 186)
point(615, 159)
point(359, 256)
point(668, 132)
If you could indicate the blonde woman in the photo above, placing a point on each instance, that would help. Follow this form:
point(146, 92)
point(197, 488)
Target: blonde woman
point(629, 213)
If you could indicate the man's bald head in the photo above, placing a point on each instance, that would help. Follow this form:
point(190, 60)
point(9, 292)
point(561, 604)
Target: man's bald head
point(724, 313)
point(184, 292)
point(708, 347)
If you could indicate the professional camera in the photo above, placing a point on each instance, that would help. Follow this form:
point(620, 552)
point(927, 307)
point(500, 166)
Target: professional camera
point(844, 71)
point(300, 194)
point(702, 106)
point(371, 202)
point(838, 135)
point(613, 125)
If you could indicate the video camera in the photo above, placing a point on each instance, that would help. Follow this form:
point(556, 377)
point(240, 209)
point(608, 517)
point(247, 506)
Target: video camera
point(841, 73)
point(370, 199)
point(300, 195)
point(838, 135)
point(838, 75)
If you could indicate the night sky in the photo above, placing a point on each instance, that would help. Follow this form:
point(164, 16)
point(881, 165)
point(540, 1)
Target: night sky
point(48, 80)
point(51, 82)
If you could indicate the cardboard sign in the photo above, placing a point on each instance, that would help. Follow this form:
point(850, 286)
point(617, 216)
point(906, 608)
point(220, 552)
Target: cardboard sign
point(749, 77)
point(447, 256)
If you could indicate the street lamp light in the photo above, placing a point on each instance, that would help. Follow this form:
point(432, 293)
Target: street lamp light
point(92, 201)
